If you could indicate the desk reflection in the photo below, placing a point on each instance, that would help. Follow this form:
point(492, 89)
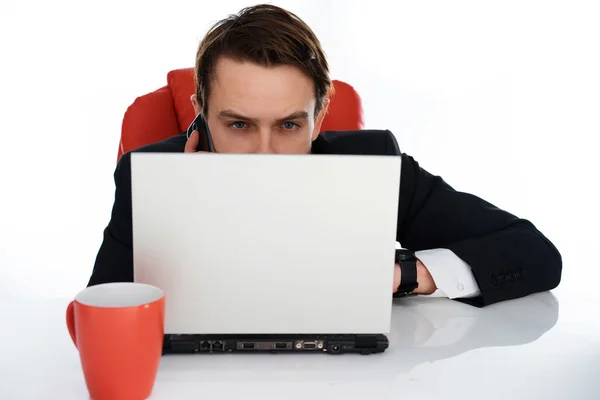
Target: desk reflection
point(428, 329)
point(423, 330)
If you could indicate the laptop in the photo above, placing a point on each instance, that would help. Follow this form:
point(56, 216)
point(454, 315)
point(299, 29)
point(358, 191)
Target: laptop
point(268, 253)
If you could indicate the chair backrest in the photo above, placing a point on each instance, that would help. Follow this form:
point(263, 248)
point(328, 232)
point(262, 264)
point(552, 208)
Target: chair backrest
point(168, 111)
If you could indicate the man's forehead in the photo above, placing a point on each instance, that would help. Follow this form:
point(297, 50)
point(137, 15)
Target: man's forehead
point(256, 91)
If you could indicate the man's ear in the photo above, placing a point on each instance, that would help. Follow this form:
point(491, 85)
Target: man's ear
point(197, 106)
point(320, 118)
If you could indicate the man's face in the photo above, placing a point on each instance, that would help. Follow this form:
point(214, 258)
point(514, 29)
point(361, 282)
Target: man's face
point(253, 109)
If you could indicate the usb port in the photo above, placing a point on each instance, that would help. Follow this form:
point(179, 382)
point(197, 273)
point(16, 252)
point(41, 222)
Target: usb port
point(248, 346)
point(281, 345)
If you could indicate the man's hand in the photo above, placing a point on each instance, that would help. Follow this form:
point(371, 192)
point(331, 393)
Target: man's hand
point(192, 143)
point(424, 278)
point(397, 277)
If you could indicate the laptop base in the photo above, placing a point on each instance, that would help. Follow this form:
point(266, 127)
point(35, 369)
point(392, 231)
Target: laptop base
point(330, 344)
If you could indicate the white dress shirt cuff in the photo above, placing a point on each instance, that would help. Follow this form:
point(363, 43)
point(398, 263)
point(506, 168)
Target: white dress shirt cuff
point(452, 276)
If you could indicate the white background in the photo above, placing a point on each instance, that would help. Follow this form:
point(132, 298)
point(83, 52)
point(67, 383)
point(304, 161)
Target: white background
point(501, 98)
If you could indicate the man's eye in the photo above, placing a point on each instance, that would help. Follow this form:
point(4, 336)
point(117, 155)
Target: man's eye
point(238, 125)
point(289, 125)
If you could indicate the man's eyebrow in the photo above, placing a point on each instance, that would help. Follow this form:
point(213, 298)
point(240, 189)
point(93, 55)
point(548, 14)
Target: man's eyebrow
point(294, 115)
point(230, 114)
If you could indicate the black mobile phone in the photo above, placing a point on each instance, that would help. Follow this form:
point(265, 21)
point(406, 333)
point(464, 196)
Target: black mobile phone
point(200, 125)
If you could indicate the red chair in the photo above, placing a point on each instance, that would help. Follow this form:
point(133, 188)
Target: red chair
point(168, 111)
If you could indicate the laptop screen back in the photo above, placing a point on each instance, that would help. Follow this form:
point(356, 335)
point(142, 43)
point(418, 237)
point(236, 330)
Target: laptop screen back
point(263, 244)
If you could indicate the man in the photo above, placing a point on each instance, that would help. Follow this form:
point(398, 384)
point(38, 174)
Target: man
point(262, 86)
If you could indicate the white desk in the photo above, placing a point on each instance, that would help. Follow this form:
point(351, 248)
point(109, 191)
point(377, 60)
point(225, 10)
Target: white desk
point(546, 346)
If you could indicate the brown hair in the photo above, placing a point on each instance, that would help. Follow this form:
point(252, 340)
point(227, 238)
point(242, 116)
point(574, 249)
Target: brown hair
point(268, 36)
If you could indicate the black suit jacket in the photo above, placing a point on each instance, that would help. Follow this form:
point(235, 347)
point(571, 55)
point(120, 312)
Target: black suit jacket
point(509, 257)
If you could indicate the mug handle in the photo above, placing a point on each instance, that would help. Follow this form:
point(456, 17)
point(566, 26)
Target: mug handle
point(71, 321)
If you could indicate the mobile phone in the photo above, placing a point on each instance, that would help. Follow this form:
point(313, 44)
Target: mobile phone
point(205, 143)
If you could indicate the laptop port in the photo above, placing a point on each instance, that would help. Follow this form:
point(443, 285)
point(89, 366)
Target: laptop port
point(335, 348)
point(281, 346)
point(248, 346)
point(205, 346)
point(217, 346)
point(313, 345)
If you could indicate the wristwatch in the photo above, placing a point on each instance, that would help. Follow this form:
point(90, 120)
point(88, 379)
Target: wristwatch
point(408, 272)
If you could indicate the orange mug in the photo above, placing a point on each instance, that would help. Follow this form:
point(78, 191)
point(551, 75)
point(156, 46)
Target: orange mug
point(118, 329)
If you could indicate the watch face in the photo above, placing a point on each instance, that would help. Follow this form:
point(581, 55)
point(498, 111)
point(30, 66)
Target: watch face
point(402, 255)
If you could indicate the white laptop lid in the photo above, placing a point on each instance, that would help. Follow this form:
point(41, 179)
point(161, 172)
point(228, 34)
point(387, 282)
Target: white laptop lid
point(253, 244)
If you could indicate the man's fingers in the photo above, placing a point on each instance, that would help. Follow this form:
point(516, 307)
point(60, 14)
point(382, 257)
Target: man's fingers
point(191, 145)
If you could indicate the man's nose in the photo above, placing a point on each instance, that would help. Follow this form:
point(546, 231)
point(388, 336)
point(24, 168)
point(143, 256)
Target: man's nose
point(265, 144)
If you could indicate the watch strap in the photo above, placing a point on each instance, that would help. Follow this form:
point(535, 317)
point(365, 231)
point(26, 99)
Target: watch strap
point(408, 273)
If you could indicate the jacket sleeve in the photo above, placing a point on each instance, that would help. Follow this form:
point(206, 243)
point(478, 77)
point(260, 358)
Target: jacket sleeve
point(114, 262)
point(509, 256)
